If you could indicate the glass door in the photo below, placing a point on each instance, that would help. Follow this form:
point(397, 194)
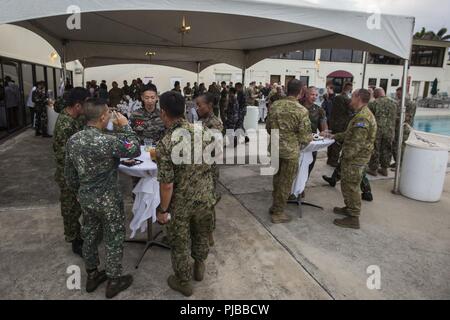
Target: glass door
point(12, 97)
point(28, 84)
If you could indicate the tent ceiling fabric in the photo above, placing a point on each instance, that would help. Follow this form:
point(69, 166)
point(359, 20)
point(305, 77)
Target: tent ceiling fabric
point(239, 33)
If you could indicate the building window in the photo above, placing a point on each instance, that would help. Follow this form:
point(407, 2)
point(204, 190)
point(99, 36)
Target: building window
point(341, 55)
point(382, 59)
point(372, 82)
point(223, 77)
point(395, 82)
point(427, 56)
point(309, 55)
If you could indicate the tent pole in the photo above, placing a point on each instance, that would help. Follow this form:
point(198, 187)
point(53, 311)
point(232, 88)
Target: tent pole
point(364, 69)
point(63, 61)
point(83, 80)
point(400, 133)
point(243, 76)
point(198, 73)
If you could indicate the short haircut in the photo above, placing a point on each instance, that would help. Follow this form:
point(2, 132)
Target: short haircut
point(173, 104)
point(149, 87)
point(209, 98)
point(77, 95)
point(223, 82)
point(294, 87)
point(364, 95)
point(177, 83)
point(94, 108)
point(347, 84)
point(238, 84)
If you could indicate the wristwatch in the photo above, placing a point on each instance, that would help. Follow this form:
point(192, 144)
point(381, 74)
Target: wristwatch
point(161, 210)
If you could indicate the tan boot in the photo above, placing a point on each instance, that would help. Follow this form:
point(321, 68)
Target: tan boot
point(280, 218)
point(349, 222)
point(342, 211)
point(183, 288)
point(372, 172)
point(383, 172)
point(199, 270)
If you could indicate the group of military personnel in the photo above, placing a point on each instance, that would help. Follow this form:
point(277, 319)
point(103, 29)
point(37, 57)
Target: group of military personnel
point(88, 157)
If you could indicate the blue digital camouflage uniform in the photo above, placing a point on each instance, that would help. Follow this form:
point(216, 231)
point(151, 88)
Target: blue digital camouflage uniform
point(92, 159)
point(191, 204)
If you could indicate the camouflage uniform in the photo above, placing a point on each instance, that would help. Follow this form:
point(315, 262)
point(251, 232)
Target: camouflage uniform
point(212, 122)
point(410, 113)
point(292, 121)
point(92, 159)
point(317, 116)
point(339, 119)
point(357, 147)
point(191, 205)
point(65, 127)
point(223, 103)
point(39, 99)
point(147, 124)
point(384, 110)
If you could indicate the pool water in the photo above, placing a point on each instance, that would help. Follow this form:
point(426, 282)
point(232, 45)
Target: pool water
point(438, 125)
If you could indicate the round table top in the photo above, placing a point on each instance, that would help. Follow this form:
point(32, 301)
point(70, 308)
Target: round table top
point(146, 169)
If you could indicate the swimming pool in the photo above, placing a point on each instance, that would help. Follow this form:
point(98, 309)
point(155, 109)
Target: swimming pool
point(433, 124)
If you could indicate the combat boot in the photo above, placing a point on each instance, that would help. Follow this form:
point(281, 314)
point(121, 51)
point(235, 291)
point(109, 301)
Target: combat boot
point(367, 196)
point(211, 239)
point(292, 197)
point(331, 181)
point(280, 218)
point(383, 172)
point(372, 172)
point(95, 278)
point(342, 211)
point(348, 222)
point(199, 270)
point(117, 285)
point(77, 247)
point(183, 288)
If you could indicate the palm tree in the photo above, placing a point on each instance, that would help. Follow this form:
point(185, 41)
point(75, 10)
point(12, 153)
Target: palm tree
point(441, 35)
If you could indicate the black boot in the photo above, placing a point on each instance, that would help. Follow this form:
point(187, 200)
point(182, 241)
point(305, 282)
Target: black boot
point(331, 181)
point(95, 278)
point(367, 196)
point(77, 247)
point(117, 285)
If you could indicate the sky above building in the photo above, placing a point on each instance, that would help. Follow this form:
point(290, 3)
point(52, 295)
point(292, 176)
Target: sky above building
point(431, 14)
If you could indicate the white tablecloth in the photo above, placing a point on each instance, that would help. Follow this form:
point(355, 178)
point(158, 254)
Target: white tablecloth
point(52, 117)
point(146, 191)
point(251, 118)
point(306, 158)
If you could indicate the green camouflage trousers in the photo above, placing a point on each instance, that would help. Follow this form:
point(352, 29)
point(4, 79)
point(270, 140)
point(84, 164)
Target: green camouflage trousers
point(382, 152)
point(194, 223)
point(107, 221)
point(282, 184)
point(351, 180)
point(215, 172)
point(334, 152)
point(70, 211)
point(41, 120)
point(406, 133)
point(365, 184)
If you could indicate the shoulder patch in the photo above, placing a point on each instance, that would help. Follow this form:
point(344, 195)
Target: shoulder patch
point(360, 125)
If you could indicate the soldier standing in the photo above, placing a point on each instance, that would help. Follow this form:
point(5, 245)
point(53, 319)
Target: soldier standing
point(92, 160)
point(410, 113)
point(67, 124)
point(40, 100)
point(292, 121)
point(339, 118)
point(357, 147)
point(146, 122)
point(186, 193)
point(223, 102)
point(210, 121)
point(384, 110)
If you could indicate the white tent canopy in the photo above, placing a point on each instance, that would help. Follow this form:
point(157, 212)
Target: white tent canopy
point(239, 33)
